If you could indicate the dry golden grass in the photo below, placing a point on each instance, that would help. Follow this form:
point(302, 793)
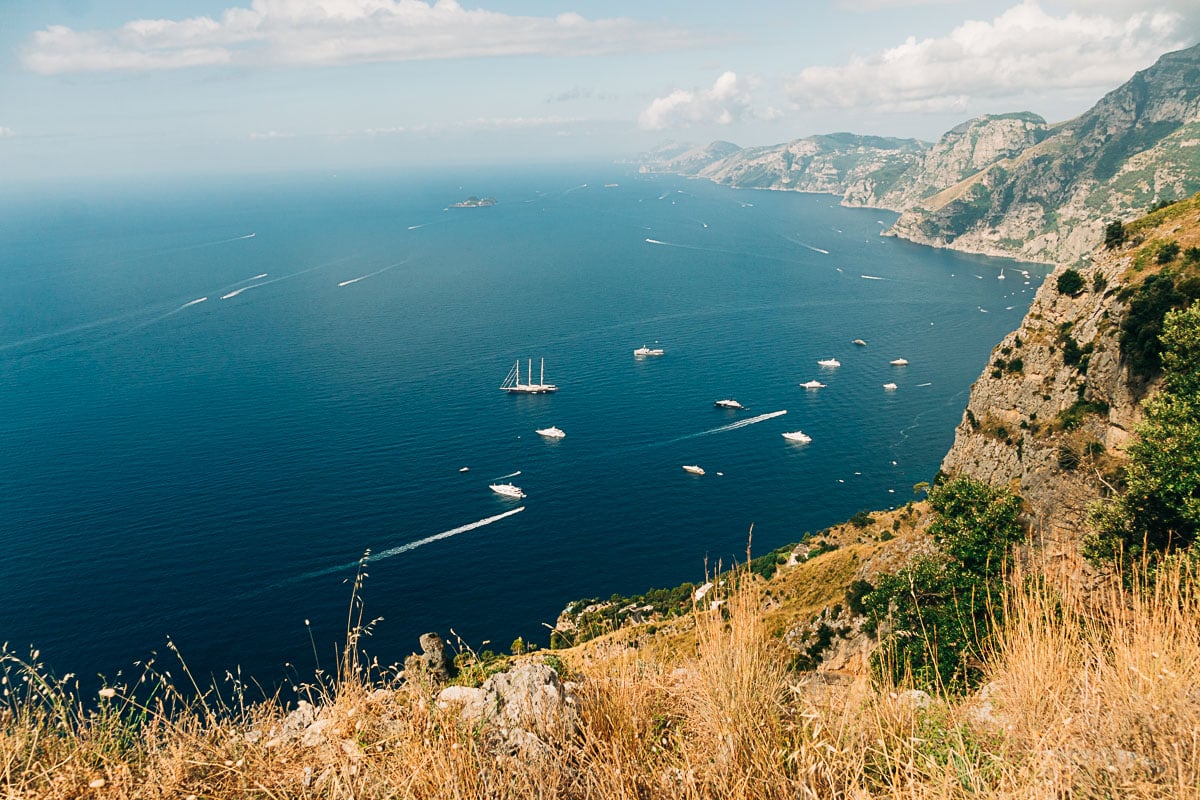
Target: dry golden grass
point(1089, 697)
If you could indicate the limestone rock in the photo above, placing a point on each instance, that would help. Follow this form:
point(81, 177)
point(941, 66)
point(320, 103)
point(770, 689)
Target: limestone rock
point(527, 707)
point(435, 661)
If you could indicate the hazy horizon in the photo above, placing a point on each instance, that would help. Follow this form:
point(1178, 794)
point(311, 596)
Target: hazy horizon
point(141, 88)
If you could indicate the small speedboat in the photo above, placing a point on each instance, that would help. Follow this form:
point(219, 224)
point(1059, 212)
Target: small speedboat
point(859, 342)
point(507, 490)
point(643, 351)
point(800, 437)
point(889, 387)
point(899, 362)
point(553, 432)
point(813, 385)
point(829, 362)
point(729, 404)
point(692, 468)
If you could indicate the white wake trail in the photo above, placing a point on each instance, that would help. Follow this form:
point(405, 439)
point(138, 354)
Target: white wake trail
point(733, 426)
point(369, 275)
point(404, 548)
point(394, 551)
point(511, 475)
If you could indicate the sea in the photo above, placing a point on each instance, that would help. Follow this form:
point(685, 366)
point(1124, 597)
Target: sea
point(222, 398)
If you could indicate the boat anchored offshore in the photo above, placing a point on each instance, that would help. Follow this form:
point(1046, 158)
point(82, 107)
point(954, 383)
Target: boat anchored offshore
point(553, 432)
point(729, 404)
point(800, 437)
point(859, 342)
point(829, 362)
point(643, 351)
point(899, 362)
point(889, 387)
point(692, 468)
point(814, 384)
point(512, 383)
point(507, 490)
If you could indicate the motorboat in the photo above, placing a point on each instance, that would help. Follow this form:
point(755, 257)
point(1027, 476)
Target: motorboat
point(643, 351)
point(800, 437)
point(734, 404)
point(829, 362)
point(813, 384)
point(889, 387)
point(859, 342)
point(553, 432)
point(899, 362)
point(692, 468)
point(507, 490)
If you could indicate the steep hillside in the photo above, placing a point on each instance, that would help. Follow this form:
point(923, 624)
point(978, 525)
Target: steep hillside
point(1053, 410)
point(1049, 202)
point(962, 152)
point(856, 167)
point(1005, 184)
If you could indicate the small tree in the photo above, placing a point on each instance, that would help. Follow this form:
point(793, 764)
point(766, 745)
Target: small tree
point(1114, 234)
point(1070, 282)
point(1160, 508)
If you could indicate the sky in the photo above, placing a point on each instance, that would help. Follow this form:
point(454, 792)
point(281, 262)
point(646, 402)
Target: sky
point(154, 87)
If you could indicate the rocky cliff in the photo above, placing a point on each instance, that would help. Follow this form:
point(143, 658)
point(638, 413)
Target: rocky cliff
point(1053, 410)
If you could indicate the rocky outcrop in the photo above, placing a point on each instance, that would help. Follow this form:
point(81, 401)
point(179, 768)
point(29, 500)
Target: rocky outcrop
point(527, 709)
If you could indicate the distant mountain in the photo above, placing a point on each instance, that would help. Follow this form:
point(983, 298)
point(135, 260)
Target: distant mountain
point(840, 163)
point(1005, 184)
point(1050, 200)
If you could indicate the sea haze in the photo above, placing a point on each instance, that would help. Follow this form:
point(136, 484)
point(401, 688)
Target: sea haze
point(211, 471)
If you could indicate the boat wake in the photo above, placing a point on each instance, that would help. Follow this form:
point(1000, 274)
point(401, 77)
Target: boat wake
point(502, 477)
point(369, 275)
point(870, 277)
point(733, 426)
point(390, 552)
point(807, 245)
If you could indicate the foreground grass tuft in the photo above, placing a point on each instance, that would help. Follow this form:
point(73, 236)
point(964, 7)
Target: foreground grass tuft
point(1083, 698)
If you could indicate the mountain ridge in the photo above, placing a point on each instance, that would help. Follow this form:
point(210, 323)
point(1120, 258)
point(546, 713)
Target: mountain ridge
point(999, 184)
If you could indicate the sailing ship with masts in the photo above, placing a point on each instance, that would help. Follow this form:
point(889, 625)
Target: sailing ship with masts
point(512, 383)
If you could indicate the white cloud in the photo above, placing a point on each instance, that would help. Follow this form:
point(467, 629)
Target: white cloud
point(729, 99)
point(6, 131)
point(329, 32)
point(1023, 51)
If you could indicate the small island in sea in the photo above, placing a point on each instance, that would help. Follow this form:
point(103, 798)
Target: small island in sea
point(474, 202)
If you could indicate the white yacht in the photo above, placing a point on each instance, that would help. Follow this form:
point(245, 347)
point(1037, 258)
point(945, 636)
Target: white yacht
point(899, 362)
point(813, 384)
point(859, 342)
point(800, 437)
point(889, 387)
point(829, 362)
point(553, 432)
point(692, 468)
point(643, 351)
point(729, 404)
point(507, 490)
point(512, 383)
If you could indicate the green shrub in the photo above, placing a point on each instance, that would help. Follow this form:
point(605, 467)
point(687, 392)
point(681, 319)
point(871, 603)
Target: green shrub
point(862, 519)
point(1114, 234)
point(1070, 282)
point(941, 609)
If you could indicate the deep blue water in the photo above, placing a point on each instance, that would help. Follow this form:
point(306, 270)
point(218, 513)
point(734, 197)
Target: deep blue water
point(211, 472)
